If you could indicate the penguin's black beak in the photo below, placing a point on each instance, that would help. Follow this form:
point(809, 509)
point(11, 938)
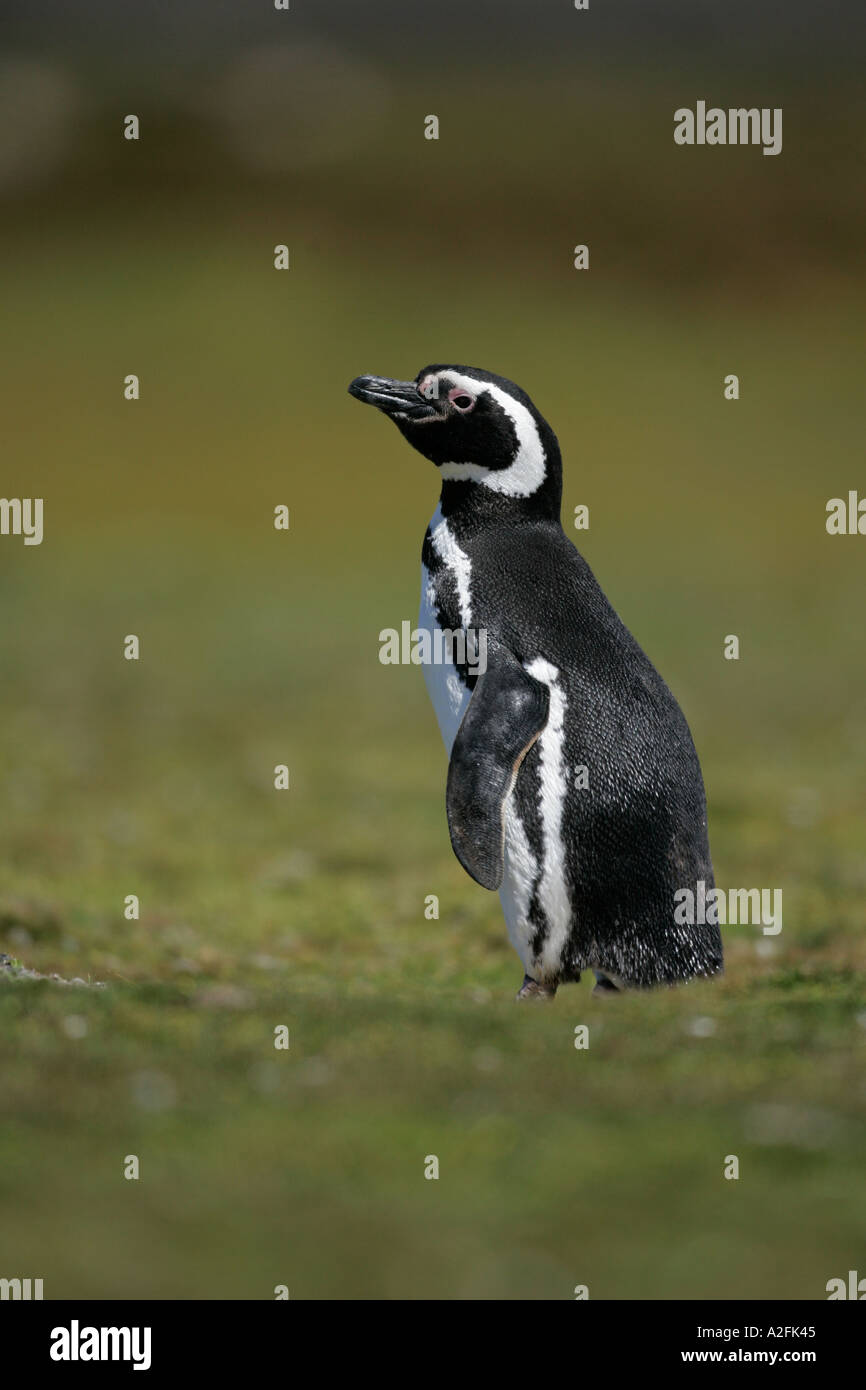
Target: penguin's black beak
point(399, 399)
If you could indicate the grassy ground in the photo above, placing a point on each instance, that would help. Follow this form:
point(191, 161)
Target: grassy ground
point(305, 908)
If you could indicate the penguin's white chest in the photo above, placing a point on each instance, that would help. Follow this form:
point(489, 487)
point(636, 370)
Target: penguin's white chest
point(526, 872)
point(450, 698)
point(447, 692)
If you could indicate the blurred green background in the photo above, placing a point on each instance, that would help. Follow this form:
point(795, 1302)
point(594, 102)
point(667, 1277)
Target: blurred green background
point(306, 908)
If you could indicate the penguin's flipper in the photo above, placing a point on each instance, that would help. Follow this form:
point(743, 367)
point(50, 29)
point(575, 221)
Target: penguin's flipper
point(507, 712)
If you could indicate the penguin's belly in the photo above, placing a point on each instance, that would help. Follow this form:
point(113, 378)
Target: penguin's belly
point(535, 892)
point(534, 895)
point(519, 878)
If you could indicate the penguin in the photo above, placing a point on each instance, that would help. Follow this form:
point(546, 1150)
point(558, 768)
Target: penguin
point(573, 787)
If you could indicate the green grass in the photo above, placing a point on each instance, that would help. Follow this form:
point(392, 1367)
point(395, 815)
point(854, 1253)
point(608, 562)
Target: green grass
point(306, 908)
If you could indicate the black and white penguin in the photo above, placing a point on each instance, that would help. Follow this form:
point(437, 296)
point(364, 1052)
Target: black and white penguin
point(586, 873)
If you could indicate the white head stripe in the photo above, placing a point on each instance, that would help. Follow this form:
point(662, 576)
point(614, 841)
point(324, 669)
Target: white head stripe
point(526, 472)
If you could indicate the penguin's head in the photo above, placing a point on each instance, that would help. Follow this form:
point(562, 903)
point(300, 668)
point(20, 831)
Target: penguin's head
point(479, 429)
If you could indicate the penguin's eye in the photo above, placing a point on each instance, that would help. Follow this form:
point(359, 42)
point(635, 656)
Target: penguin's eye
point(461, 400)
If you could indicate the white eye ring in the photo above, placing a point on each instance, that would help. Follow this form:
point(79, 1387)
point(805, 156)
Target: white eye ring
point(461, 400)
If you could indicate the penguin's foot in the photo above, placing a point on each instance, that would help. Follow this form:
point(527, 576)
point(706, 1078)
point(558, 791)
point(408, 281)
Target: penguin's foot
point(603, 985)
point(531, 989)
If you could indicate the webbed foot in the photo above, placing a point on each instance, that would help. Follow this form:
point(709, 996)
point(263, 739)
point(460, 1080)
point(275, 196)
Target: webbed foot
point(531, 989)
